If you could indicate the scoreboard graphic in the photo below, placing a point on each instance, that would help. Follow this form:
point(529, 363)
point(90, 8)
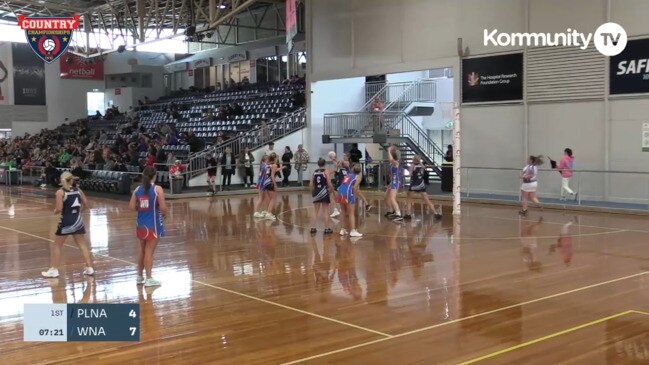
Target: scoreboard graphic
point(81, 322)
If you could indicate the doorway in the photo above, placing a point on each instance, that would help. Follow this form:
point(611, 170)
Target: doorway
point(95, 101)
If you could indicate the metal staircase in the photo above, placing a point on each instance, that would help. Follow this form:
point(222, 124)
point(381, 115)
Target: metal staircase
point(254, 139)
point(398, 96)
point(391, 125)
point(388, 128)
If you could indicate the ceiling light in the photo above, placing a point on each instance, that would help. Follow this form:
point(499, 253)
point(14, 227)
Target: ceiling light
point(221, 6)
point(41, 1)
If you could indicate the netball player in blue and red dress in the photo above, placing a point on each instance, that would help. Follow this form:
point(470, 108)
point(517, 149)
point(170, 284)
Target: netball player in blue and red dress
point(149, 201)
point(393, 187)
point(69, 202)
point(347, 192)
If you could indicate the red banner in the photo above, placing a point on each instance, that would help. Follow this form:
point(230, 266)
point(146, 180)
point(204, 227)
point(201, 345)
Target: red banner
point(75, 67)
point(291, 21)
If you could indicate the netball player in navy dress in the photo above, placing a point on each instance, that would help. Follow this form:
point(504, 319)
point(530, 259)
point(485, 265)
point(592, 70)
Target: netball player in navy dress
point(149, 201)
point(418, 186)
point(69, 202)
point(321, 185)
point(393, 187)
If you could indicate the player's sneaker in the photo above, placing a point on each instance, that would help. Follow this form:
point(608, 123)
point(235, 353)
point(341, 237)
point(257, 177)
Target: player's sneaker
point(140, 280)
point(335, 213)
point(438, 217)
point(314, 231)
point(407, 217)
point(343, 232)
point(388, 214)
point(89, 271)
point(397, 218)
point(355, 233)
point(259, 215)
point(152, 282)
point(328, 231)
point(270, 216)
point(52, 272)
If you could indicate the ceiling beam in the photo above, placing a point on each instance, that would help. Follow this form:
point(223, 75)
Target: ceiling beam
point(231, 14)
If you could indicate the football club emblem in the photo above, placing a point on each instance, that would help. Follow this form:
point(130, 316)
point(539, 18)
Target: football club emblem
point(49, 37)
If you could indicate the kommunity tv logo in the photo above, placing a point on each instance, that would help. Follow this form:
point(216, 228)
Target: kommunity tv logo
point(610, 39)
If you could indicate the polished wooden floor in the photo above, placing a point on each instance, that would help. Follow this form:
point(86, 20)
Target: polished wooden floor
point(485, 287)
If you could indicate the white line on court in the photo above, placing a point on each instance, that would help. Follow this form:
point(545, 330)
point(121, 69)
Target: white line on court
point(612, 230)
point(385, 335)
point(465, 318)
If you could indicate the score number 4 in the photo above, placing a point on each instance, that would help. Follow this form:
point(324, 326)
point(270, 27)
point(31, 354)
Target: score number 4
point(132, 314)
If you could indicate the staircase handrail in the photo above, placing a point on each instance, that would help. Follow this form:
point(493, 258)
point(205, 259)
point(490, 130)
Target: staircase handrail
point(369, 102)
point(197, 162)
point(420, 90)
point(420, 138)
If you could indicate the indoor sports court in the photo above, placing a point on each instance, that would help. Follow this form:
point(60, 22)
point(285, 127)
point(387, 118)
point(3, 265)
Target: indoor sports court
point(347, 182)
point(483, 287)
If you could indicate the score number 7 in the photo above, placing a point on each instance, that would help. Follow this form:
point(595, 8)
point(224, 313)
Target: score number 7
point(132, 314)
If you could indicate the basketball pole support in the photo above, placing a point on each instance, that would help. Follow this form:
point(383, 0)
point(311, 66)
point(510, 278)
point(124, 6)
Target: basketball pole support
point(457, 161)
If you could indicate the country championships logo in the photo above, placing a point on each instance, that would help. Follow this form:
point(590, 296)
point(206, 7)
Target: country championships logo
point(49, 37)
point(609, 39)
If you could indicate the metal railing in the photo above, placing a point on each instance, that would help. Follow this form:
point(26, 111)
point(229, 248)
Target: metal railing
point(393, 124)
point(623, 189)
point(375, 174)
point(418, 91)
point(372, 89)
point(397, 96)
point(253, 139)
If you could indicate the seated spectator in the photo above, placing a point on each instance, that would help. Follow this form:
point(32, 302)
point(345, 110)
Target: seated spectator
point(176, 170)
point(245, 80)
point(150, 158)
point(119, 165)
point(109, 164)
point(76, 169)
point(237, 109)
point(131, 114)
point(50, 176)
point(171, 139)
point(146, 100)
point(64, 158)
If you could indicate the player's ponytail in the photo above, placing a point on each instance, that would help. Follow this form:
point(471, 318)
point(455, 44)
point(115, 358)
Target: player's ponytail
point(147, 177)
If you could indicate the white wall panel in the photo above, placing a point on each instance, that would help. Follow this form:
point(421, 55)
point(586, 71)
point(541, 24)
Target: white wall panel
point(331, 35)
point(578, 125)
point(335, 96)
point(628, 13)
point(372, 44)
point(474, 16)
point(559, 15)
point(492, 136)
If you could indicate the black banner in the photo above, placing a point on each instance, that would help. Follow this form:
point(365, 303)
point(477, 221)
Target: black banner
point(629, 71)
point(493, 78)
point(29, 76)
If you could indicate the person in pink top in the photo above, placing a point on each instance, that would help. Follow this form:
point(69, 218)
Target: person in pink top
point(565, 166)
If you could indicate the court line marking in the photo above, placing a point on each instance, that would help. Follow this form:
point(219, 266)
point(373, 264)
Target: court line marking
point(560, 224)
point(640, 312)
point(545, 338)
point(385, 335)
point(324, 354)
point(611, 230)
